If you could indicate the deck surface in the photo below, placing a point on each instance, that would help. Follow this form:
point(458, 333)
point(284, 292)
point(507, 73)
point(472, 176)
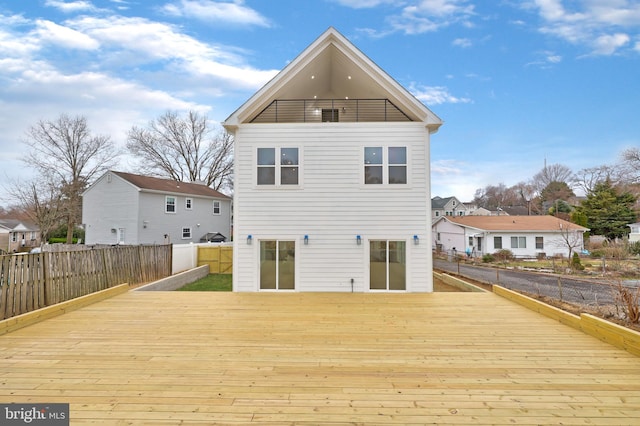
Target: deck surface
point(300, 358)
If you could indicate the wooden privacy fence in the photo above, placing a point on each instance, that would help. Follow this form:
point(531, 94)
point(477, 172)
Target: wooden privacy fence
point(33, 281)
point(219, 258)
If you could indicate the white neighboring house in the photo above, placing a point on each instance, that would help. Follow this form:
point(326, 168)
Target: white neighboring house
point(525, 236)
point(332, 178)
point(634, 235)
point(125, 208)
point(449, 206)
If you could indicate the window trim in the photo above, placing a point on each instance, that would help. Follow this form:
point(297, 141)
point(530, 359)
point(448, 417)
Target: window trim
point(519, 240)
point(217, 205)
point(189, 231)
point(386, 167)
point(188, 203)
point(495, 238)
point(166, 204)
point(278, 168)
point(540, 246)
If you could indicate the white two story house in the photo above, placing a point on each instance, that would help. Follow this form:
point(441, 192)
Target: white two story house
point(125, 208)
point(332, 185)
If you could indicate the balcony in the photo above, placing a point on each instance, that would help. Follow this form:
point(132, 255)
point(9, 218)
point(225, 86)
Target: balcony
point(330, 110)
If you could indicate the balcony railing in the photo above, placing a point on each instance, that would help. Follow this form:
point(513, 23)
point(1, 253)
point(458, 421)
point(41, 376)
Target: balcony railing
point(330, 110)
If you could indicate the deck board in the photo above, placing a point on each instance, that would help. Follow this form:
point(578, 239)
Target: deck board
point(302, 358)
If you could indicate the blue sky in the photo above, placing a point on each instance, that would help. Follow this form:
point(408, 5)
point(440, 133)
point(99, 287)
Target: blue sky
point(516, 82)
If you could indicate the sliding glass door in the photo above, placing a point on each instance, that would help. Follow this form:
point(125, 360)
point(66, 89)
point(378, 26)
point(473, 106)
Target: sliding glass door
point(387, 265)
point(277, 265)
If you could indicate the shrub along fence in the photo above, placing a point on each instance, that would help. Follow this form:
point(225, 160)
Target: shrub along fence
point(33, 281)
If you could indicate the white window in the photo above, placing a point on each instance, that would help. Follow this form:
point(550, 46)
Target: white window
point(14, 237)
point(385, 165)
point(518, 242)
point(170, 204)
point(121, 235)
point(278, 166)
point(188, 204)
point(216, 207)
point(497, 243)
point(539, 243)
point(186, 233)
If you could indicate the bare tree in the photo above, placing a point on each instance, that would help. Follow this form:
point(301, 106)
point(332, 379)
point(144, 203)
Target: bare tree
point(586, 179)
point(553, 173)
point(183, 149)
point(493, 197)
point(527, 192)
point(631, 164)
point(40, 202)
point(570, 238)
point(65, 153)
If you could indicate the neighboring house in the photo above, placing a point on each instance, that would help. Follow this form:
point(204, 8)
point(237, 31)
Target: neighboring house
point(332, 178)
point(124, 208)
point(634, 235)
point(18, 235)
point(525, 236)
point(449, 206)
point(479, 211)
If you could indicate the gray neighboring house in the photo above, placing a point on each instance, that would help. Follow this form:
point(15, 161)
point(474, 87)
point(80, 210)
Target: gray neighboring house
point(449, 206)
point(124, 208)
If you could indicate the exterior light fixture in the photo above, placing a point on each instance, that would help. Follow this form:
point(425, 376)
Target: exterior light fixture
point(306, 240)
point(416, 240)
point(358, 240)
point(249, 239)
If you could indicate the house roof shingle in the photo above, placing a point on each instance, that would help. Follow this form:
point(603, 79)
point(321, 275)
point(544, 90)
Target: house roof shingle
point(516, 223)
point(169, 185)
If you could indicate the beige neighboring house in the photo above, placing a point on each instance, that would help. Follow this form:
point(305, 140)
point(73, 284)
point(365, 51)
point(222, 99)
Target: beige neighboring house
point(525, 236)
point(18, 235)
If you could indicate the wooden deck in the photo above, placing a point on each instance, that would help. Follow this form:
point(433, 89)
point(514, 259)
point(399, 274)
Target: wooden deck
point(226, 358)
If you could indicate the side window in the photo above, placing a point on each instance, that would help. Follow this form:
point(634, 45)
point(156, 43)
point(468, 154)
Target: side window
point(170, 204)
point(216, 207)
point(497, 243)
point(540, 243)
point(385, 165)
point(266, 166)
point(186, 233)
point(188, 204)
point(278, 166)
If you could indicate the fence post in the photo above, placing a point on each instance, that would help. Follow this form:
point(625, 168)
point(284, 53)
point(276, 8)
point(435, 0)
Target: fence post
point(497, 275)
point(560, 287)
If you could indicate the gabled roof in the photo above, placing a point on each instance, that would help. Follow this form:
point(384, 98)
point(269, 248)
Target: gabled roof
point(332, 67)
point(17, 225)
point(516, 223)
point(148, 183)
point(440, 203)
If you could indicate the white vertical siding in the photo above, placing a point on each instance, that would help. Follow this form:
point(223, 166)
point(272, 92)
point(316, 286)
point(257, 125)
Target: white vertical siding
point(332, 205)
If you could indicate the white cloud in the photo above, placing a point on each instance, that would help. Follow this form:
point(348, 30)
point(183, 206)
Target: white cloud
point(431, 95)
point(609, 44)
point(70, 7)
point(417, 16)
point(148, 43)
point(462, 42)
point(596, 24)
point(364, 4)
point(53, 33)
point(225, 12)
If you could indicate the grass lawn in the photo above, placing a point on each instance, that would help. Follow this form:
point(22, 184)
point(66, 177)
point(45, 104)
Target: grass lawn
point(212, 282)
